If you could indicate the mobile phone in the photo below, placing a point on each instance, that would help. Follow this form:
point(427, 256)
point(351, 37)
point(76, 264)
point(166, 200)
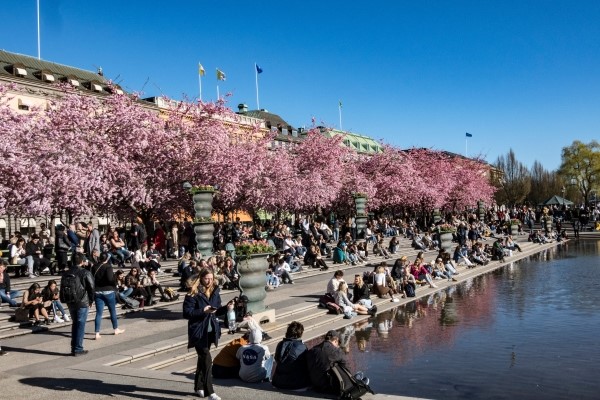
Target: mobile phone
point(212, 309)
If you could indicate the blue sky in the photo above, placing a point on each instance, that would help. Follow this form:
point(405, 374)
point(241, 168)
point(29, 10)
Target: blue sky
point(520, 74)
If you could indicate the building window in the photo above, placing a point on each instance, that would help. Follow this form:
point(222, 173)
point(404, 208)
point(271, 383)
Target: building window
point(27, 226)
point(24, 105)
point(96, 87)
point(3, 229)
point(47, 77)
point(19, 71)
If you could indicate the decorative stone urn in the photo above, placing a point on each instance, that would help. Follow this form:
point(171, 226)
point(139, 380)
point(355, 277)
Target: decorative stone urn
point(514, 230)
point(204, 237)
point(203, 224)
point(360, 201)
point(481, 210)
point(446, 241)
point(437, 216)
point(252, 280)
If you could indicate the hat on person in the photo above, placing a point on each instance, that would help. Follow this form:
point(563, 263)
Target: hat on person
point(332, 334)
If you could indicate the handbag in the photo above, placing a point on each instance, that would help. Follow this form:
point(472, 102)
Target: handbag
point(21, 314)
point(14, 260)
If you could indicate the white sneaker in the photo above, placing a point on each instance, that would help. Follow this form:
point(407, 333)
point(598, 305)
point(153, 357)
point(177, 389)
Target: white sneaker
point(200, 393)
point(58, 320)
point(66, 318)
point(395, 300)
point(214, 397)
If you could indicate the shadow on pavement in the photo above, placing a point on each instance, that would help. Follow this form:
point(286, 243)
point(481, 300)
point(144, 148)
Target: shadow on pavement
point(156, 314)
point(97, 387)
point(32, 351)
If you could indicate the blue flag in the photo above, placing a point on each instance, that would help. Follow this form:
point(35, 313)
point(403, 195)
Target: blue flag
point(258, 69)
point(468, 134)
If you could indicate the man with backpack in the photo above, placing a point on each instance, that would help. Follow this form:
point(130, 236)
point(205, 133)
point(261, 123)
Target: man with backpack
point(77, 291)
point(329, 372)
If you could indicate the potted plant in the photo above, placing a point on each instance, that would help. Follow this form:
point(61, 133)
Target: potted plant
point(202, 188)
point(257, 247)
point(446, 228)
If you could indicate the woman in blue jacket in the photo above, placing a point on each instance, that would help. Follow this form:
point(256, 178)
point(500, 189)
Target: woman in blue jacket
point(200, 307)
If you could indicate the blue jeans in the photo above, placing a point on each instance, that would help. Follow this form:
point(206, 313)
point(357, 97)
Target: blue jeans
point(9, 297)
point(79, 317)
point(125, 293)
point(57, 306)
point(110, 300)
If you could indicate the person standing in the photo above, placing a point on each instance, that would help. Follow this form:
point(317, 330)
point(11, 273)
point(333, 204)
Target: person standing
point(200, 307)
point(62, 245)
point(92, 240)
point(104, 282)
point(77, 291)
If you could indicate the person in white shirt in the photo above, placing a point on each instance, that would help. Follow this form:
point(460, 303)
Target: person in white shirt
point(283, 271)
point(334, 283)
point(256, 362)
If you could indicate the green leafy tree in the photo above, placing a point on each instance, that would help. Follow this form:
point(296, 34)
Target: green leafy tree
point(581, 166)
point(515, 183)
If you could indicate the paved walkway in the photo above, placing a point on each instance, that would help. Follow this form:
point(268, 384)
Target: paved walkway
point(150, 361)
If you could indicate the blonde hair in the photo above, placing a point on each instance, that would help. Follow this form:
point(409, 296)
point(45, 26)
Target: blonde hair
point(197, 287)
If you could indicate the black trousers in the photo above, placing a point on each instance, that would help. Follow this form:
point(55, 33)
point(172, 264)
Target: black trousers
point(203, 378)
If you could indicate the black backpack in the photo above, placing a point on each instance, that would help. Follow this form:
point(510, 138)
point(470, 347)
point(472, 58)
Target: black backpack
point(350, 388)
point(71, 288)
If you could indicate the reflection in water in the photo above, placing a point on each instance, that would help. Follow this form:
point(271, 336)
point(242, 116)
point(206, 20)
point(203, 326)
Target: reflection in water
point(532, 323)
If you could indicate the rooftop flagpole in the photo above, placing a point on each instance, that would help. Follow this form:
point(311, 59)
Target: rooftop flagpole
point(340, 112)
point(200, 75)
point(38, 30)
point(257, 70)
point(220, 77)
point(467, 136)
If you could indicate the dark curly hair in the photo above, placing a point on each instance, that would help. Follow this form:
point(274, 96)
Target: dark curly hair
point(294, 330)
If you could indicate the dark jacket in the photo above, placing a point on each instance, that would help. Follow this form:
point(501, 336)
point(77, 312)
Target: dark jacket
point(319, 360)
point(292, 369)
point(359, 293)
point(32, 249)
point(5, 285)
point(198, 320)
point(61, 241)
point(92, 242)
point(104, 277)
point(88, 283)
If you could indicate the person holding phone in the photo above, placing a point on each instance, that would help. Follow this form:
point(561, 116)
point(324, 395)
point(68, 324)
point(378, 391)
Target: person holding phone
point(200, 307)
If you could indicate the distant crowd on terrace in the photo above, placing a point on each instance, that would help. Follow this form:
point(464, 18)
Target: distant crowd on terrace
point(309, 242)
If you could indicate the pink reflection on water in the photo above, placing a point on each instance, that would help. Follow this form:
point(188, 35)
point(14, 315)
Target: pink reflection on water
point(397, 336)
